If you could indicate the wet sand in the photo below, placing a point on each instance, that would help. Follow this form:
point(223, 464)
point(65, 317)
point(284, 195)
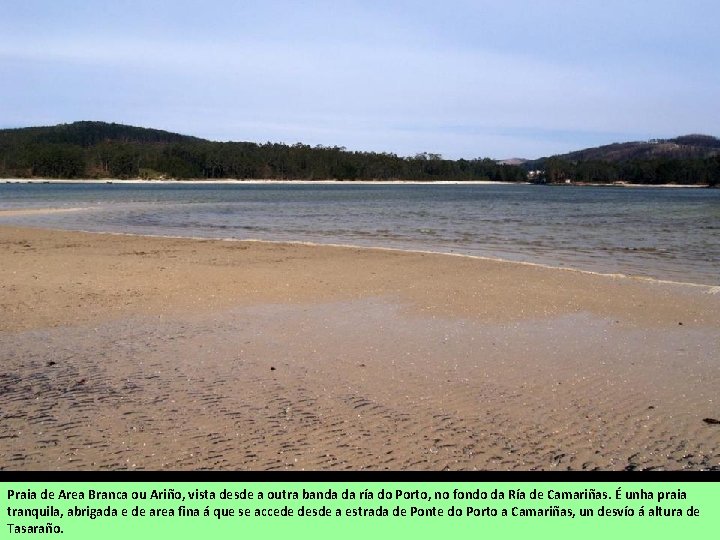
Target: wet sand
point(135, 352)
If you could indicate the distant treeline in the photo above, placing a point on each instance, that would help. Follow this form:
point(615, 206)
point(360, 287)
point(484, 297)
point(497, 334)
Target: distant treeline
point(102, 150)
point(663, 170)
point(99, 150)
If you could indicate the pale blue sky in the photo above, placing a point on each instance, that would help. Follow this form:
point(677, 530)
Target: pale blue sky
point(462, 78)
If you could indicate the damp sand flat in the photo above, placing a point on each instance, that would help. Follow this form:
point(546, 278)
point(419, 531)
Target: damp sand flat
point(135, 352)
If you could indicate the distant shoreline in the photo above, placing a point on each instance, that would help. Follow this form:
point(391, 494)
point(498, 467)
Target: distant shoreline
point(232, 181)
point(248, 181)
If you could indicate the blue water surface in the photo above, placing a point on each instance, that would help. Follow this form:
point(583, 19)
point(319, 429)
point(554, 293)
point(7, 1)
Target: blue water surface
point(665, 233)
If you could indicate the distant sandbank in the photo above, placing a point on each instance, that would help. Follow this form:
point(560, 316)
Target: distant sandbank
point(250, 181)
point(14, 212)
point(321, 182)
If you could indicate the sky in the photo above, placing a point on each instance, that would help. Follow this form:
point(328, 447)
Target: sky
point(462, 78)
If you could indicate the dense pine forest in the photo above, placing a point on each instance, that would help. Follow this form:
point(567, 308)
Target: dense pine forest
point(95, 150)
point(100, 150)
point(690, 159)
point(691, 171)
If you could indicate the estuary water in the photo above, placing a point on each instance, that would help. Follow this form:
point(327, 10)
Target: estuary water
point(661, 233)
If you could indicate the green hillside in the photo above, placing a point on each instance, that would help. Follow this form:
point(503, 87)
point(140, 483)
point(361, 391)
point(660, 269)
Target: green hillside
point(100, 150)
point(690, 159)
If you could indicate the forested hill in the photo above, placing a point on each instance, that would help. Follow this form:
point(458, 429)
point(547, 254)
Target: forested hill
point(690, 159)
point(687, 146)
point(87, 134)
point(102, 150)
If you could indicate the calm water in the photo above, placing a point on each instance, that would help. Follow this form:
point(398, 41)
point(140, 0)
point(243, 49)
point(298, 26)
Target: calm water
point(654, 232)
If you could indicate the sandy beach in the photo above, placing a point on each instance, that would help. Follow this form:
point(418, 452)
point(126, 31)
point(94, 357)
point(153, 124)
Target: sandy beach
point(157, 353)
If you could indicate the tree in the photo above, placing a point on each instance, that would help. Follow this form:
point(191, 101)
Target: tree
point(58, 161)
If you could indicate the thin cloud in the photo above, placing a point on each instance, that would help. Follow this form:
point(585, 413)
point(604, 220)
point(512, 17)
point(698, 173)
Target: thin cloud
point(456, 78)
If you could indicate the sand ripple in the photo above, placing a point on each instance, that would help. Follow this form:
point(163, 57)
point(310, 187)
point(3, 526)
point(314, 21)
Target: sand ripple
point(355, 385)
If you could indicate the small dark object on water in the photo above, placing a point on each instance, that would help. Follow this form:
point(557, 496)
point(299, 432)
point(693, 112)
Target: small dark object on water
point(81, 381)
point(711, 421)
point(362, 365)
point(272, 368)
point(680, 324)
point(51, 363)
point(651, 407)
